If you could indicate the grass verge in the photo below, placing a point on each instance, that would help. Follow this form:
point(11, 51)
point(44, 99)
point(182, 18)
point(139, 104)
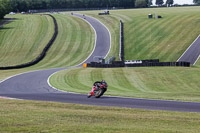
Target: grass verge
point(152, 83)
point(29, 116)
point(23, 39)
point(165, 39)
point(73, 45)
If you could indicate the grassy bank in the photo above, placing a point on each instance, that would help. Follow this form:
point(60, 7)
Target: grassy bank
point(29, 116)
point(154, 83)
point(112, 23)
point(73, 45)
point(165, 39)
point(24, 38)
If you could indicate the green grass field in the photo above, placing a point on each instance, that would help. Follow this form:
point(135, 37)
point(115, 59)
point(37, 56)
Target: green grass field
point(74, 43)
point(154, 83)
point(112, 23)
point(29, 116)
point(165, 39)
point(24, 38)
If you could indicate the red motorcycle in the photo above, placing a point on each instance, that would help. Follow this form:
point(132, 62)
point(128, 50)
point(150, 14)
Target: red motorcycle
point(99, 88)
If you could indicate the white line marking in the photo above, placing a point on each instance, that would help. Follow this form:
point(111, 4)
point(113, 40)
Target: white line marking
point(8, 98)
point(109, 35)
point(48, 80)
point(196, 60)
point(68, 67)
point(188, 48)
point(95, 41)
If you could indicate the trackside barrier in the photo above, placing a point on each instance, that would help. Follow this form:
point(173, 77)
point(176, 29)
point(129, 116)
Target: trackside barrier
point(121, 43)
point(144, 64)
point(42, 55)
point(160, 64)
point(110, 60)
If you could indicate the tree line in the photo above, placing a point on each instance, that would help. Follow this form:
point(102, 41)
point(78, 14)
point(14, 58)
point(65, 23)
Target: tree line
point(196, 2)
point(5, 7)
point(25, 5)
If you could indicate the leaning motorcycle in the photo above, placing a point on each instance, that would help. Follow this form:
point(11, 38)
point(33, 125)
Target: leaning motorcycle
point(98, 92)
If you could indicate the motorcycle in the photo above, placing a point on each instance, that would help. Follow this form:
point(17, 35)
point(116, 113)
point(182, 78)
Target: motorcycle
point(100, 90)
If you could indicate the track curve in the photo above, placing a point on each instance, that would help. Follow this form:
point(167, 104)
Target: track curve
point(34, 86)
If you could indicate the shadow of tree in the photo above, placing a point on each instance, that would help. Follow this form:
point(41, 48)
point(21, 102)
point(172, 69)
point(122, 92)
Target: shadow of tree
point(7, 21)
point(5, 28)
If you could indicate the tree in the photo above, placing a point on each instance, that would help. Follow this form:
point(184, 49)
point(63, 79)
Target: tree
point(159, 2)
point(25, 5)
point(196, 1)
point(169, 2)
point(141, 3)
point(149, 2)
point(5, 7)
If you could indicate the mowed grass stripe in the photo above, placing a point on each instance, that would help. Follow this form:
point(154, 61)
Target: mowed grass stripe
point(74, 43)
point(165, 50)
point(35, 47)
point(180, 35)
point(57, 48)
point(64, 44)
point(138, 34)
point(153, 83)
point(60, 54)
point(165, 39)
point(35, 116)
point(112, 23)
point(145, 42)
point(24, 39)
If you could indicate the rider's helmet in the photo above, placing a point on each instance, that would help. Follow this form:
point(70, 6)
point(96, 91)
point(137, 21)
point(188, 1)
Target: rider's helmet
point(103, 82)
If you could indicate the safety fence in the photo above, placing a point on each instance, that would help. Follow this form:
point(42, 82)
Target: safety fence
point(145, 63)
point(121, 43)
point(42, 55)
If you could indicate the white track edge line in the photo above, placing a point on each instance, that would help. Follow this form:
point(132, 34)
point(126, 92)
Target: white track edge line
point(52, 68)
point(188, 48)
point(48, 80)
point(108, 32)
point(196, 60)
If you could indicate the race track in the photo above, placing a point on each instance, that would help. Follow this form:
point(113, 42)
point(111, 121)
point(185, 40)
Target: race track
point(192, 54)
point(34, 86)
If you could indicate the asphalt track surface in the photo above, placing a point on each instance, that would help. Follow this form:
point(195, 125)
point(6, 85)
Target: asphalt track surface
point(34, 85)
point(192, 54)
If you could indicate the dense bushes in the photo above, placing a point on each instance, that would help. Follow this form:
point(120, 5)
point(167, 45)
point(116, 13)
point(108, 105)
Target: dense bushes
point(5, 7)
point(25, 5)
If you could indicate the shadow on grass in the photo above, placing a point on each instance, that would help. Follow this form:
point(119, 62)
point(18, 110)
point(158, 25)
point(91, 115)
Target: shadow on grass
point(5, 28)
point(7, 21)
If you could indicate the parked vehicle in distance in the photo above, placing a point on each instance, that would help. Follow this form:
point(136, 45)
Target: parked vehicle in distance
point(12, 13)
point(23, 13)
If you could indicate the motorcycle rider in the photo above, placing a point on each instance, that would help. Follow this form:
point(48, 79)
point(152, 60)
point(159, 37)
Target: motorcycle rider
point(96, 86)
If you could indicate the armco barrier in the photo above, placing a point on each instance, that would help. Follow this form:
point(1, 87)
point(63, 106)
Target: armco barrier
point(160, 64)
point(42, 55)
point(145, 64)
point(121, 43)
